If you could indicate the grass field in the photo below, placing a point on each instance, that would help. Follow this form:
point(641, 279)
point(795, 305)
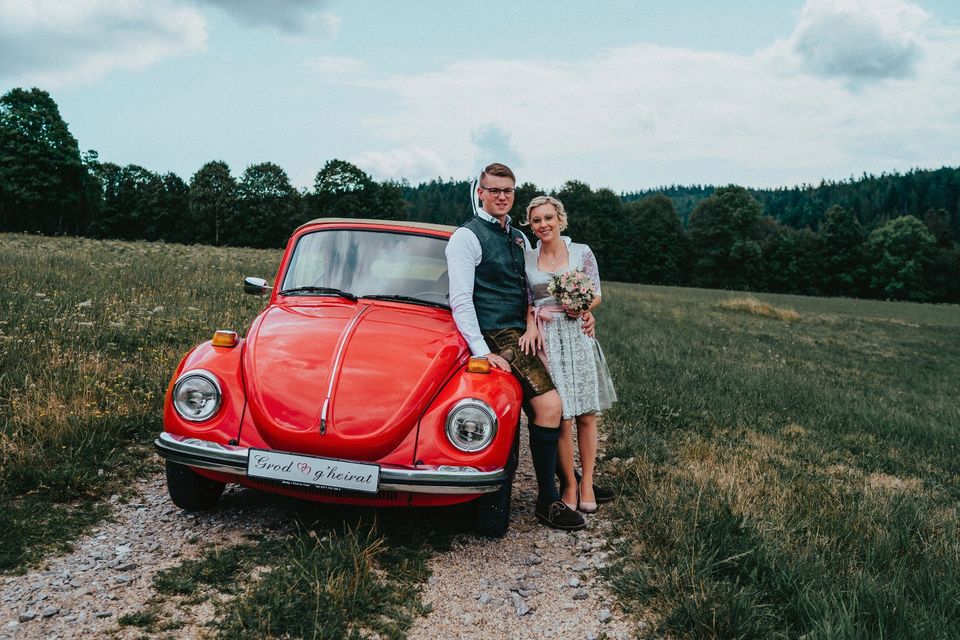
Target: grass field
point(788, 465)
point(90, 332)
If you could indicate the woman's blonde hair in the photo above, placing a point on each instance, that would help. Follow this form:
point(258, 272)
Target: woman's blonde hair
point(541, 200)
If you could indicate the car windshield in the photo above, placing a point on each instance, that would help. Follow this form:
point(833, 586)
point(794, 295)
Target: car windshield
point(369, 264)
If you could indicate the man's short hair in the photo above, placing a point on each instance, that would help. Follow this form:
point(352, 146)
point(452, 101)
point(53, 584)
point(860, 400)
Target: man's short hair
point(499, 170)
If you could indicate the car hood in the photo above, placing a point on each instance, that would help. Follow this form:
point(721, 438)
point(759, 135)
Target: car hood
point(346, 380)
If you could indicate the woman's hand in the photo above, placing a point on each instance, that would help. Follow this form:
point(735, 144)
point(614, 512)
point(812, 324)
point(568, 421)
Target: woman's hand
point(589, 324)
point(531, 341)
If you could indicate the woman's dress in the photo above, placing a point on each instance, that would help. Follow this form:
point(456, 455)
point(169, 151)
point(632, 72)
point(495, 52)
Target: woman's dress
point(575, 360)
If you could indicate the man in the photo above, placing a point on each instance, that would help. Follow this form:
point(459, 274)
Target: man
point(488, 296)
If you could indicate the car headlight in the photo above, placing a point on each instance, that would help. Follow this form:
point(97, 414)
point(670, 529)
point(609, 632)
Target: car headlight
point(196, 395)
point(471, 425)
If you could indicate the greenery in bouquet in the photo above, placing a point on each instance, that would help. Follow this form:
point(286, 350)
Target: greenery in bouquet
point(573, 290)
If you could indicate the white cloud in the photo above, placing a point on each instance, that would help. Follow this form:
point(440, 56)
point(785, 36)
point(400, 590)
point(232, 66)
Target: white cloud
point(860, 40)
point(289, 17)
point(56, 42)
point(757, 119)
point(416, 164)
point(494, 145)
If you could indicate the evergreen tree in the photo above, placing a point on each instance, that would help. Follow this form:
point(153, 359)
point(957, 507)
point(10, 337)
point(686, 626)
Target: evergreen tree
point(654, 242)
point(109, 211)
point(171, 221)
point(442, 202)
point(343, 190)
point(725, 239)
point(265, 209)
point(138, 204)
point(596, 219)
point(843, 260)
point(212, 199)
point(792, 261)
point(901, 253)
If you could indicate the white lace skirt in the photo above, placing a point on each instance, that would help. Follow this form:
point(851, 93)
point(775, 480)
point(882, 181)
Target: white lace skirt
point(577, 367)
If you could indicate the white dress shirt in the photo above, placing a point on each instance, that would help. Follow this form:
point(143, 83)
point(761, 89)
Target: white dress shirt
point(463, 255)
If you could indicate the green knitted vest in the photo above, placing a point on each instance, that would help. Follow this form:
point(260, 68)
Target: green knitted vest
point(500, 282)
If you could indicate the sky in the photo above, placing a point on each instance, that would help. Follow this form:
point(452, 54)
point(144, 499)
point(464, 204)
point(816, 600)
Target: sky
point(623, 94)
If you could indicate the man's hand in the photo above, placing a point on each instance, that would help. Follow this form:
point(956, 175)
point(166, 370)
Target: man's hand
point(588, 324)
point(498, 362)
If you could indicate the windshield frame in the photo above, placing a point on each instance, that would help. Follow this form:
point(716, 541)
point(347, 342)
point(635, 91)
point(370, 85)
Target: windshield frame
point(434, 291)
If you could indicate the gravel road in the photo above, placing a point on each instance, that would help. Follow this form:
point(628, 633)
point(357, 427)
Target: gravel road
point(533, 583)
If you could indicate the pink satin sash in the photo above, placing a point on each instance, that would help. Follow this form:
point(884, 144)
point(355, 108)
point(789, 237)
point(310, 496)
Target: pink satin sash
point(544, 315)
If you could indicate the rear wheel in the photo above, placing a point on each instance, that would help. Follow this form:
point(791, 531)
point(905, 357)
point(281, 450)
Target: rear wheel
point(491, 511)
point(191, 491)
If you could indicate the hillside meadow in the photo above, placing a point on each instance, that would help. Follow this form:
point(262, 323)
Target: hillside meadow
point(90, 332)
point(788, 465)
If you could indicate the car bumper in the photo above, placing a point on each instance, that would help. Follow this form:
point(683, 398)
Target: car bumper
point(223, 458)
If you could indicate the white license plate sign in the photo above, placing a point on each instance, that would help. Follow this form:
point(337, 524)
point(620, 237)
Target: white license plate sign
point(313, 471)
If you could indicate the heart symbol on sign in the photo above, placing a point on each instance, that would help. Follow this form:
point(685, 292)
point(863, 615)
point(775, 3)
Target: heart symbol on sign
point(305, 468)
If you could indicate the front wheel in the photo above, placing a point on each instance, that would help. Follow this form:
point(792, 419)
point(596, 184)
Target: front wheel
point(191, 491)
point(491, 511)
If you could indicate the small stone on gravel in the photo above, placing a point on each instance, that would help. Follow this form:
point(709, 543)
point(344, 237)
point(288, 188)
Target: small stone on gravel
point(49, 612)
point(604, 616)
point(580, 594)
point(519, 605)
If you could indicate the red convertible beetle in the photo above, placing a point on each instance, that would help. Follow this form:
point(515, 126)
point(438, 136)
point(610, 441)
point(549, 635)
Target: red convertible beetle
point(352, 386)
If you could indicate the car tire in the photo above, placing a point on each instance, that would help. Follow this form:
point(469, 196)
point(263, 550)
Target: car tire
point(491, 511)
point(191, 491)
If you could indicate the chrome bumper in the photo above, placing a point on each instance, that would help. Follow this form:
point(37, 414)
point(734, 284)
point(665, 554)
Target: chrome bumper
point(224, 458)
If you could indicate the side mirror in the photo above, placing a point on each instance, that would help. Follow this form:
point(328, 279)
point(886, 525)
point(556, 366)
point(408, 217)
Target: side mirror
point(255, 286)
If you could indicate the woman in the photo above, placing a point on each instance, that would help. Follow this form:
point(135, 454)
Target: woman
point(574, 359)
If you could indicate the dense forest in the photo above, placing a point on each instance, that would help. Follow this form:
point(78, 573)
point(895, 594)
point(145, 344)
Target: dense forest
point(893, 236)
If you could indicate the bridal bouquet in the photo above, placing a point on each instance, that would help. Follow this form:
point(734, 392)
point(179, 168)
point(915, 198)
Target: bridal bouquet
point(573, 290)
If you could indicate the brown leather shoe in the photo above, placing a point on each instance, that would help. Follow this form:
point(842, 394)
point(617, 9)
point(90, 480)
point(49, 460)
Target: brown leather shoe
point(559, 516)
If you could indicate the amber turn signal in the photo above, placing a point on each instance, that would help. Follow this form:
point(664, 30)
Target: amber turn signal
point(225, 338)
point(478, 365)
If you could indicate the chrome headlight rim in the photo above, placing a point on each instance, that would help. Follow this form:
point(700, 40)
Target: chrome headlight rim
point(449, 425)
point(205, 375)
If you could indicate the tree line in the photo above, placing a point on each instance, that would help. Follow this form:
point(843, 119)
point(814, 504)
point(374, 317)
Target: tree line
point(891, 236)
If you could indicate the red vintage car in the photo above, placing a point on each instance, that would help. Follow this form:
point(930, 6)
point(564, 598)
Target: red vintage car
point(352, 386)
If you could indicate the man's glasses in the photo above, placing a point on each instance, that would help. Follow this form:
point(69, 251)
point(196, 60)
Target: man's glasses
point(496, 192)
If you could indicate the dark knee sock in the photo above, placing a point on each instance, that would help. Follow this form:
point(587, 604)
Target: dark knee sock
point(543, 451)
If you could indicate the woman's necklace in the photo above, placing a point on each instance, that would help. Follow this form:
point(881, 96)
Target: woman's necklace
point(550, 261)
